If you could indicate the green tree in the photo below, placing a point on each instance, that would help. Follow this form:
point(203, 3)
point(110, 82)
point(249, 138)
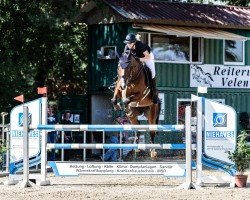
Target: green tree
point(41, 45)
point(239, 2)
point(227, 2)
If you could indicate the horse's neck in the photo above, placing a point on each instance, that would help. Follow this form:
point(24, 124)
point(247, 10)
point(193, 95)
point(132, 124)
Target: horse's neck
point(136, 73)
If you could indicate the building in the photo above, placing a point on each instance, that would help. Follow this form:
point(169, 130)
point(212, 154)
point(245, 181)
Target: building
point(194, 45)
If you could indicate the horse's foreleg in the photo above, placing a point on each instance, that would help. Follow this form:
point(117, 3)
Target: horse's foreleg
point(153, 153)
point(133, 120)
point(137, 137)
point(152, 136)
point(152, 118)
point(117, 95)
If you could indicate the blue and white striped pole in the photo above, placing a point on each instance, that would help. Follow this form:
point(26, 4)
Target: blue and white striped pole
point(110, 128)
point(118, 146)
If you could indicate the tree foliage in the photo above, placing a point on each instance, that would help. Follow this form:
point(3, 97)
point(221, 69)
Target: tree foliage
point(41, 45)
point(239, 2)
point(227, 2)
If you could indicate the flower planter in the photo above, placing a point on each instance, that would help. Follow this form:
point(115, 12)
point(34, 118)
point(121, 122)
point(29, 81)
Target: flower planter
point(241, 180)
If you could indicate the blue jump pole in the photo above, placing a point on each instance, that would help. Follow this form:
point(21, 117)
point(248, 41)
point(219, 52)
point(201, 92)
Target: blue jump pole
point(117, 146)
point(110, 128)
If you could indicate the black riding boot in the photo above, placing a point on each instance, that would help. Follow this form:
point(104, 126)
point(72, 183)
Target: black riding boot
point(155, 91)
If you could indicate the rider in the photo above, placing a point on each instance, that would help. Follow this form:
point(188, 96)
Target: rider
point(144, 53)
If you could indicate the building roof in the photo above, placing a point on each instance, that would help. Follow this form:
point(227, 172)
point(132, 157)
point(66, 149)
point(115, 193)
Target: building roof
point(186, 14)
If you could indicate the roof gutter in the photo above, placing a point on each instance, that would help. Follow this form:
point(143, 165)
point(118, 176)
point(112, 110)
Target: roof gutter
point(185, 23)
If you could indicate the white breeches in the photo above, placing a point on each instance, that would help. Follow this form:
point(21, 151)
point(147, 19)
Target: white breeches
point(151, 64)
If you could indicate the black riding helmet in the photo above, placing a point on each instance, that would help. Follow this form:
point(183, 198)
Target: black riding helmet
point(130, 38)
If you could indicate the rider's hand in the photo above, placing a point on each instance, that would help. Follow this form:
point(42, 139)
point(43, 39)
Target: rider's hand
point(142, 59)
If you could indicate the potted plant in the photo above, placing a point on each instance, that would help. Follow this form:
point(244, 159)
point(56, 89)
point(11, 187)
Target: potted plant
point(241, 158)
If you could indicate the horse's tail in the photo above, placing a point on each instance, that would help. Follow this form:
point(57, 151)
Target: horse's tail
point(159, 111)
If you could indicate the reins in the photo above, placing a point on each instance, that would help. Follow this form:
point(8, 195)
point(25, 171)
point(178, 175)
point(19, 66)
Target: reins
point(137, 75)
point(130, 67)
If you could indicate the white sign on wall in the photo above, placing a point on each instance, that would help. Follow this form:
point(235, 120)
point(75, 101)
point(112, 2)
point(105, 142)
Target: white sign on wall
point(220, 76)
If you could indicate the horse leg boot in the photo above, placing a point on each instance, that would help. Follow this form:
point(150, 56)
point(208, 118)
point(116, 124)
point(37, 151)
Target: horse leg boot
point(155, 91)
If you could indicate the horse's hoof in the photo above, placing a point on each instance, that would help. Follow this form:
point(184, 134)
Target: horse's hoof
point(126, 101)
point(129, 114)
point(116, 107)
point(114, 101)
point(137, 150)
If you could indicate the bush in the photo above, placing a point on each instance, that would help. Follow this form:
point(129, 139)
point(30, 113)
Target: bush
point(241, 155)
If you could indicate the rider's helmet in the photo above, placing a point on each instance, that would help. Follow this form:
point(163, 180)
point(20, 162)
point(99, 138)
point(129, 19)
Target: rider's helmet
point(130, 38)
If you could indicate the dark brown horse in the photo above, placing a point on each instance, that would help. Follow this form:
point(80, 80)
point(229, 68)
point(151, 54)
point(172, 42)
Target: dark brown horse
point(133, 88)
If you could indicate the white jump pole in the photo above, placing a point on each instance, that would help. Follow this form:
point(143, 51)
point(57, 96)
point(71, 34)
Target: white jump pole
point(8, 150)
point(84, 142)
point(189, 183)
point(62, 141)
point(25, 182)
point(199, 142)
point(188, 148)
point(43, 180)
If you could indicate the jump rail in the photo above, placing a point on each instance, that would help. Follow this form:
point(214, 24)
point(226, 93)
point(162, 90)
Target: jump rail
point(111, 128)
point(117, 146)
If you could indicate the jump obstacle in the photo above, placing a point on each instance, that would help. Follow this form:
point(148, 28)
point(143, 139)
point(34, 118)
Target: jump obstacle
point(114, 128)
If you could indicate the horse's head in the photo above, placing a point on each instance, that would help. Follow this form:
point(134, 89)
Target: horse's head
point(128, 67)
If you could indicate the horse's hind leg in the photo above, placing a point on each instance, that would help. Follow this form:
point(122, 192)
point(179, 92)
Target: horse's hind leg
point(134, 121)
point(117, 95)
point(152, 118)
point(152, 115)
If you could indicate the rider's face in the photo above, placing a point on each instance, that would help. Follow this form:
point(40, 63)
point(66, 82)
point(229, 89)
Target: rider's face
point(130, 45)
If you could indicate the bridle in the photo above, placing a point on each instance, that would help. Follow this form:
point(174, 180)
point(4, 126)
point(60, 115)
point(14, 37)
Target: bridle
point(131, 77)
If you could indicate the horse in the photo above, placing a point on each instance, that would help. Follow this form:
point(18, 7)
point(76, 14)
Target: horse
point(133, 89)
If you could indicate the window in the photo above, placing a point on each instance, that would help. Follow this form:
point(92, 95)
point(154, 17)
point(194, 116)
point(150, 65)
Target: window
point(233, 52)
point(170, 48)
point(107, 52)
point(181, 105)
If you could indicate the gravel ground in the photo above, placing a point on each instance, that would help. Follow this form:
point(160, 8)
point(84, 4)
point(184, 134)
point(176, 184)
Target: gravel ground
point(122, 187)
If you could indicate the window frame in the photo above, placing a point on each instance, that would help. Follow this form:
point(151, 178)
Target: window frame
point(234, 63)
point(101, 54)
point(201, 48)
